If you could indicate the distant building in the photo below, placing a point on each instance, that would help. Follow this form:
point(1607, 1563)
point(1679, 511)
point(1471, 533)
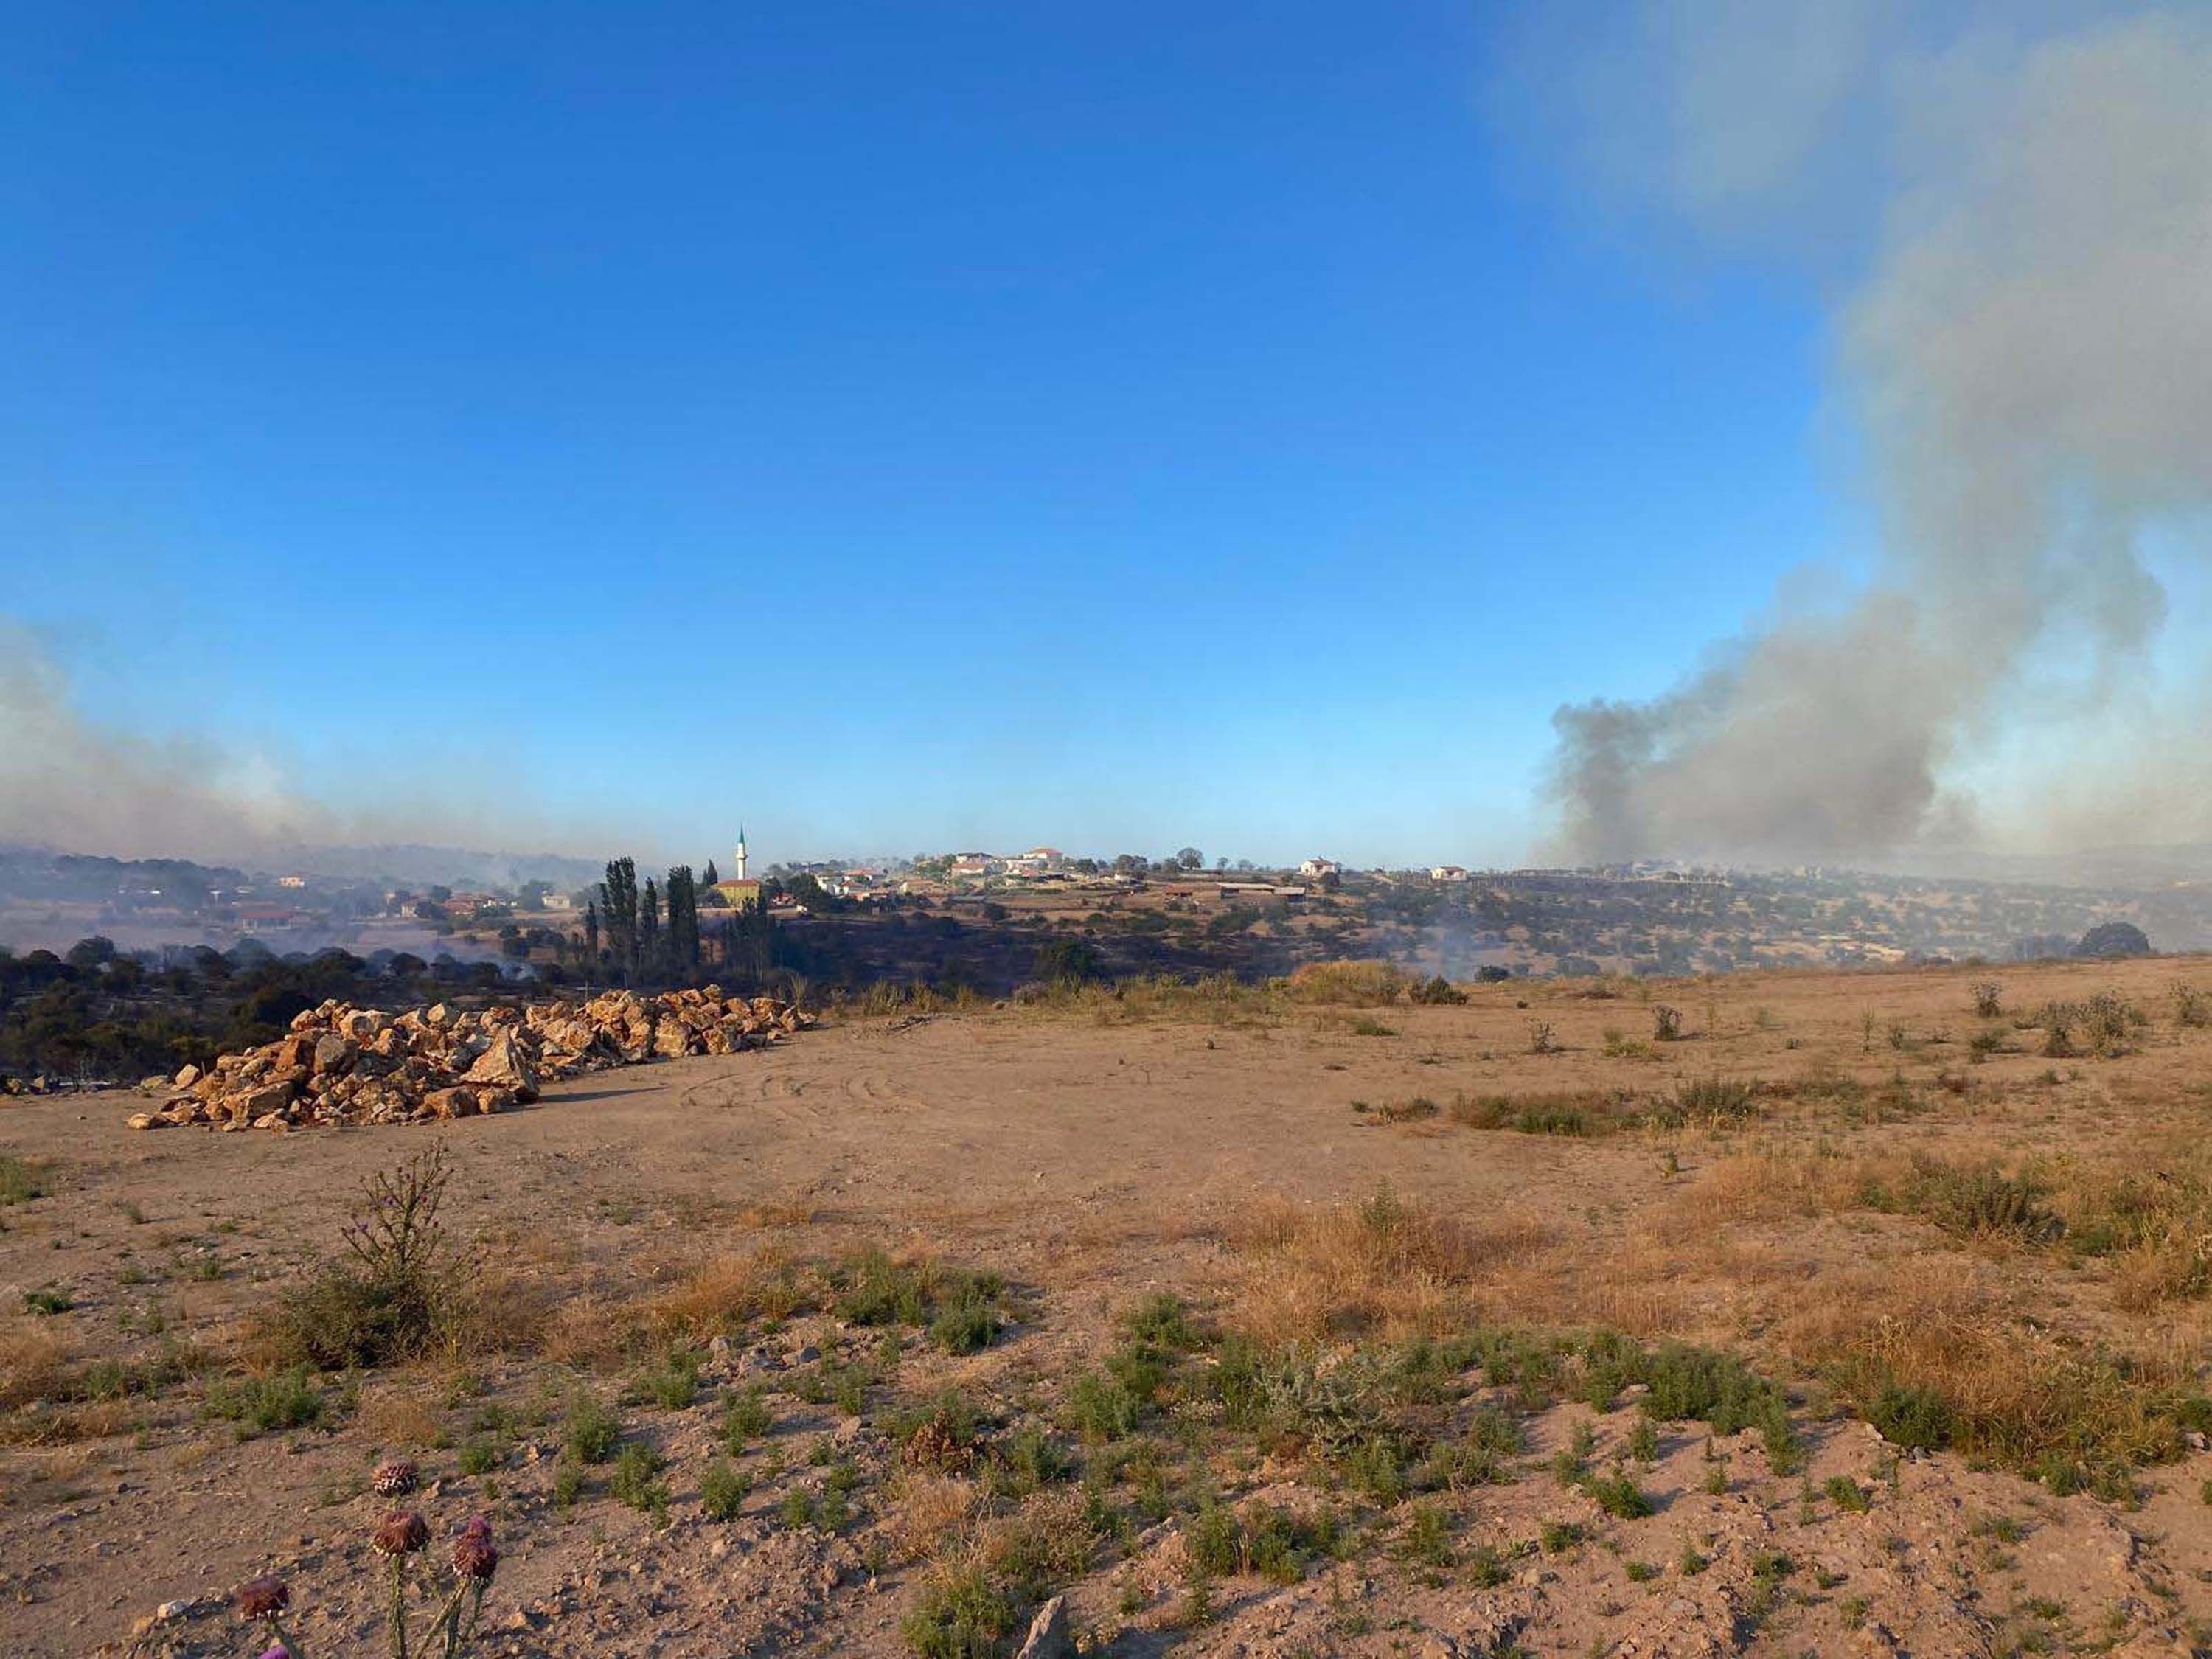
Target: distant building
point(1315, 868)
point(738, 892)
point(1447, 873)
point(291, 881)
point(976, 864)
point(559, 902)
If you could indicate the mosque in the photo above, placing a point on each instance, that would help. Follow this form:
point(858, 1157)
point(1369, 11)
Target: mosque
point(739, 893)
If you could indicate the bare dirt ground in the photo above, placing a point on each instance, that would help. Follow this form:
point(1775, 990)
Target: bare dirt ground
point(1334, 1186)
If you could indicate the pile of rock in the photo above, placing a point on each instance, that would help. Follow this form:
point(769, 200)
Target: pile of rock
point(341, 1064)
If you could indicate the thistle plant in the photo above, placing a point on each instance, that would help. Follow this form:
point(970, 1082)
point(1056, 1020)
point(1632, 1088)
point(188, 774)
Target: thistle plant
point(400, 1534)
point(401, 1537)
point(262, 1601)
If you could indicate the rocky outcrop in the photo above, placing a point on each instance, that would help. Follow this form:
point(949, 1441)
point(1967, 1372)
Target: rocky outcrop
point(340, 1064)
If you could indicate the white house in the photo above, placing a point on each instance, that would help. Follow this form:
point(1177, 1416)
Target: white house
point(1447, 873)
point(1313, 868)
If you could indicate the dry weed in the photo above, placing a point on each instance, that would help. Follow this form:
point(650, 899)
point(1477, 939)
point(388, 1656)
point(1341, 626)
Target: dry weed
point(930, 1515)
point(1381, 1265)
point(399, 1416)
point(33, 1364)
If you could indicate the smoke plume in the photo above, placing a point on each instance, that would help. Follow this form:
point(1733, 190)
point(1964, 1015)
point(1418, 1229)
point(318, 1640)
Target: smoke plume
point(67, 781)
point(2025, 351)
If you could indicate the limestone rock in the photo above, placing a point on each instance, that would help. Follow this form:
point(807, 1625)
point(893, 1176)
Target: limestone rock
point(1048, 1638)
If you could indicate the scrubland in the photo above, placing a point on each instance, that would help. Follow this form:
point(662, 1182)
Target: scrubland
point(1354, 1313)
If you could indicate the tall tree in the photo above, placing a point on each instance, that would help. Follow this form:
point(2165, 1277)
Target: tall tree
point(682, 920)
point(649, 950)
point(618, 903)
point(710, 877)
point(591, 936)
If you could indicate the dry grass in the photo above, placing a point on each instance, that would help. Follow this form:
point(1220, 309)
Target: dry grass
point(399, 1416)
point(1363, 984)
point(590, 1332)
point(727, 1291)
point(1380, 1266)
point(795, 1210)
point(2022, 1395)
point(33, 1364)
point(928, 1515)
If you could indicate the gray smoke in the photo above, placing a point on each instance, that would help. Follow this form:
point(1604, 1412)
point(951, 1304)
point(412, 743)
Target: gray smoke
point(70, 783)
point(2027, 357)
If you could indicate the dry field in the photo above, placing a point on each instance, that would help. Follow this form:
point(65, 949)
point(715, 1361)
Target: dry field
point(1845, 1318)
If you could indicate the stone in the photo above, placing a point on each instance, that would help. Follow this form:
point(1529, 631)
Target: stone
point(256, 1102)
point(332, 1056)
point(505, 1064)
point(186, 1076)
point(1048, 1638)
point(450, 1103)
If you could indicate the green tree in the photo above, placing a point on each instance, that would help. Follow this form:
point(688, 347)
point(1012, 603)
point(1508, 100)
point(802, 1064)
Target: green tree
point(682, 920)
point(618, 906)
point(650, 950)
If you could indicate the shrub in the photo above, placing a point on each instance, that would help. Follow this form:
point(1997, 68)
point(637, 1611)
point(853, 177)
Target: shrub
point(398, 1287)
point(1163, 1320)
point(1979, 1201)
point(1557, 1537)
point(1912, 1418)
point(2113, 938)
point(635, 1480)
point(1438, 992)
point(1540, 1037)
point(958, 1309)
point(1428, 1537)
point(967, 1326)
point(722, 1490)
point(959, 1615)
point(1371, 983)
point(675, 1384)
point(1846, 1493)
point(19, 1181)
point(1713, 1100)
point(2191, 1006)
point(1989, 999)
point(1619, 1495)
point(266, 1405)
point(592, 1430)
point(1666, 1022)
point(746, 1418)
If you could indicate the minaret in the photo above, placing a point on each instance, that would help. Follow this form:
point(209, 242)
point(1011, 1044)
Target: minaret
point(741, 853)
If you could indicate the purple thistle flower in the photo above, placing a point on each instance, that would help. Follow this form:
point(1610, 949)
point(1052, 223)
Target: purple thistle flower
point(261, 1598)
point(395, 1478)
point(476, 1557)
point(401, 1533)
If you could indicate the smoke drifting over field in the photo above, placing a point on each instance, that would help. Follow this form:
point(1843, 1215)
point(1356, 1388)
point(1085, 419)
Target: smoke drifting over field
point(67, 783)
point(2025, 350)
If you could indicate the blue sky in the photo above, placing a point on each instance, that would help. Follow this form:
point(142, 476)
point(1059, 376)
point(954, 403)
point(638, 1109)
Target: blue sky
point(897, 426)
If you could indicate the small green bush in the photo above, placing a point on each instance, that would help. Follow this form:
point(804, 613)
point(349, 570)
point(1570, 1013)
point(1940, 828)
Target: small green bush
point(19, 1181)
point(959, 1615)
point(635, 1480)
point(265, 1405)
point(591, 1431)
point(1619, 1496)
point(746, 1419)
point(1912, 1418)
